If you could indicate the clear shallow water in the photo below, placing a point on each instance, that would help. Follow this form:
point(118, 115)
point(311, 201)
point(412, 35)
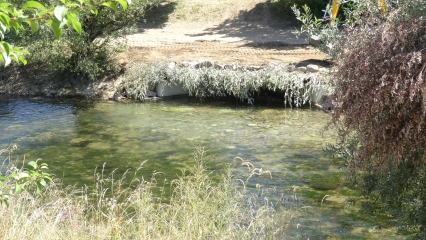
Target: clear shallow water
point(74, 137)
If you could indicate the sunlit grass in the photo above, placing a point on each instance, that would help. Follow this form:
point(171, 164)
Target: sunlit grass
point(199, 207)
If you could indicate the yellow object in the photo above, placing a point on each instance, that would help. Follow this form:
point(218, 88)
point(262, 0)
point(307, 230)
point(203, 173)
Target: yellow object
point(335, 9)
point(336, 5)
point(382, 5)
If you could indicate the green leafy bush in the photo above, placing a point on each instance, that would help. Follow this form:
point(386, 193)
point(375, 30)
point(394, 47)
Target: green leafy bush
point(16, 180)
point(90, 52)
point(399, 194)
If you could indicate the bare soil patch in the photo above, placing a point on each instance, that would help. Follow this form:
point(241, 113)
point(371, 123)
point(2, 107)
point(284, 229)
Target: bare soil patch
point(225, 31)
point(260, 54)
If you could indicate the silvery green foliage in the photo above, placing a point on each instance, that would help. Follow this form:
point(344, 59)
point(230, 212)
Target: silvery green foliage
point(211, 82)
point(357, 13)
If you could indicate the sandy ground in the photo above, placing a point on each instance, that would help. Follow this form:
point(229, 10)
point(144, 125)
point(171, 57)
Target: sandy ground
point(251, 37)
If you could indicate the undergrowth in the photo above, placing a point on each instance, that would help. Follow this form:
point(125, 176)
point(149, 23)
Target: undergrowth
point(242, 83)
point(199, 208)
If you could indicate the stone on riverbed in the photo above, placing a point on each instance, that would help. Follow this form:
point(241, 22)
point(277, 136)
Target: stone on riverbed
point(79, 142)
point(99, 145)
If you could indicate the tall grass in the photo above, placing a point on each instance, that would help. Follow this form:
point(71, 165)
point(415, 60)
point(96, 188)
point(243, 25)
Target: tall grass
point(243, 83)
point(199, 208)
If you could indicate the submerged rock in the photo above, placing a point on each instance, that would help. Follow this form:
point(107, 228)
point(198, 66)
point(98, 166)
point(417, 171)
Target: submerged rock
point(99, 145)
point(79, 142)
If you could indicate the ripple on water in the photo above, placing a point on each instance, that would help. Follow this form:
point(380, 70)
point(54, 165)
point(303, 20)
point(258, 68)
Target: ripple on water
point(75, 137)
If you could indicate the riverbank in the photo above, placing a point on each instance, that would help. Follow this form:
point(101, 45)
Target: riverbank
point(248, 35)
point(274, 83)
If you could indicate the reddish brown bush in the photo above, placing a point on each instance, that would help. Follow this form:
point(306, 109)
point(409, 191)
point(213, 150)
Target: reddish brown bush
point(381, 91)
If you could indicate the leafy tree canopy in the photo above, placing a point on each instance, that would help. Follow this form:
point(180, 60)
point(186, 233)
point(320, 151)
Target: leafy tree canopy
point(33, 13)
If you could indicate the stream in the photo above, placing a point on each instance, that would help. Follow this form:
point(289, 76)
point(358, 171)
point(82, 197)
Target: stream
point(74, 137)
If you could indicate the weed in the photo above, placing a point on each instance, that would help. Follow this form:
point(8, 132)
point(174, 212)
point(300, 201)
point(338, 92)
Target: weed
point(199, 208)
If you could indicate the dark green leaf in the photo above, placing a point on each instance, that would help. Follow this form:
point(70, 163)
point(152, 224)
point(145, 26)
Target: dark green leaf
point(22, 60)
point(4, 19)
point(33, 25)
point(6, 47)
point(14, 56)
point(75, 24)
point(38, 187)
point(6, 202)
point(14, 25)
point(55, 28)
point(94, 11)
point(76, 15)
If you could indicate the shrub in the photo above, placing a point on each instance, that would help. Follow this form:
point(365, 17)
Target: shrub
point(211, 82)
point(89, 53)
point(380, 91)
point(380, 96)
point(379, 103)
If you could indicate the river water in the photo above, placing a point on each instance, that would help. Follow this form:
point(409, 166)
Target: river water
point(76, 136)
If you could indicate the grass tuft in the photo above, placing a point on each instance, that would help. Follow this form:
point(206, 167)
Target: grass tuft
point(199, 208)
